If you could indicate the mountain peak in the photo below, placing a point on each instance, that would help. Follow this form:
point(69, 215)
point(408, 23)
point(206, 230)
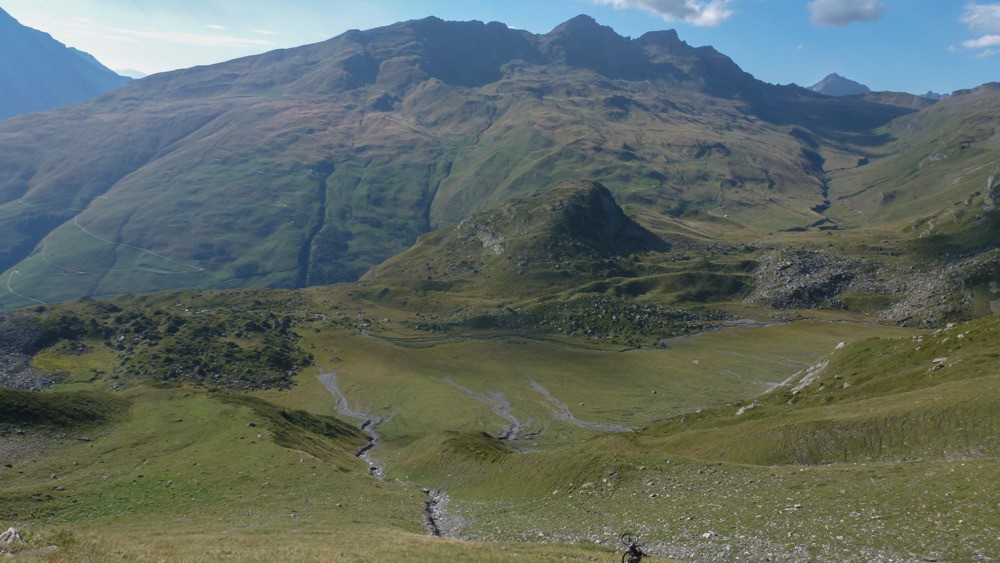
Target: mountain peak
point(581, 22)
point(836, 85)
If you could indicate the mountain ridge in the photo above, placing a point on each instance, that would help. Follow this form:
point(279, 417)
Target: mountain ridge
point(40, 73)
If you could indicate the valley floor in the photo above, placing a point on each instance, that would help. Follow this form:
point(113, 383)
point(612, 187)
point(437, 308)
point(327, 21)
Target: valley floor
point(647, 441)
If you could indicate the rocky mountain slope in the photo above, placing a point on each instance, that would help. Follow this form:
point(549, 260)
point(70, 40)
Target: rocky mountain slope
point(40, 73)
point(310, 165)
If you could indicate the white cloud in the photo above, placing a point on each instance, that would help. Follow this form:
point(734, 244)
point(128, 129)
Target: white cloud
point(698, 12)
point(215, 27)
point(842, 13)
point(983, 18)
point(983, 42)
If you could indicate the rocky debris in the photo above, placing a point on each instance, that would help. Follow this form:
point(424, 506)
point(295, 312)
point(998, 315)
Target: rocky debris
point(992, 200)
point(16, 373)
point(18, 342)
point(808, 376)
point(805, 279)
point(437, 520)
point(618, 320)
point(790, 279)
point(943, 294)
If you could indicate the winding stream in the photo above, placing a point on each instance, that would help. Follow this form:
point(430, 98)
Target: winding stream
point(500, 406)
point(436, 520)
point(560, 411)
point(368, 423)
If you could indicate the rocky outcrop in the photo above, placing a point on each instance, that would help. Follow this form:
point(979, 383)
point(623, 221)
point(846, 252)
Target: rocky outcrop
point(9, 539)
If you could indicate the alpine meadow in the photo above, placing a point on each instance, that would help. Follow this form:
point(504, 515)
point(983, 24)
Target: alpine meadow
point(455, 290)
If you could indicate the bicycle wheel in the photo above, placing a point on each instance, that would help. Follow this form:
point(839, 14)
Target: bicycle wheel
point(627, 539)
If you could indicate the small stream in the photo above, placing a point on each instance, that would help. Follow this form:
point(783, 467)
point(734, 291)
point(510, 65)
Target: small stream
point(437, 522)
point(368, 423)
point(500, 406)
point(560, 411)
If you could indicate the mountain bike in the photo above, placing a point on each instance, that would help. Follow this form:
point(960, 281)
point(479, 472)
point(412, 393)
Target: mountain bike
point(633, 549)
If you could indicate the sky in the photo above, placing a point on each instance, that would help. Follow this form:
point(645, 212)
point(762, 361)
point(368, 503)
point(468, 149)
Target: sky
point(911, 46)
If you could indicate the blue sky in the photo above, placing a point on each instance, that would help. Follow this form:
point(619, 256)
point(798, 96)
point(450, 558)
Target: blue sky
point(901, 45)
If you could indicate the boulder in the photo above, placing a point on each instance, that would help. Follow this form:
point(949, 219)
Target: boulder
point(9, 538)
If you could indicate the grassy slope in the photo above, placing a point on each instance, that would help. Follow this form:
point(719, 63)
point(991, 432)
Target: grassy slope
point(900, 463)
point(186, 465)
point(188, 445)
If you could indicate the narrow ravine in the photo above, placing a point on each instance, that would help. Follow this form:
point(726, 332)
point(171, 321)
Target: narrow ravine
point(305, 251)
point(560, 411)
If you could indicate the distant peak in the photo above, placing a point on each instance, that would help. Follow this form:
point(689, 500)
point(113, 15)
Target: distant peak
point(836, 85)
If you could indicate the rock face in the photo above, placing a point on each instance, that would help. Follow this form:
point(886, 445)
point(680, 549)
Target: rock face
point(588, 214)
point(836, 85)
point(39, 73)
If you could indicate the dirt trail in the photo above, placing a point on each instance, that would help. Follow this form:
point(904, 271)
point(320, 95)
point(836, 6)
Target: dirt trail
point(500, 406)
point(561, 411)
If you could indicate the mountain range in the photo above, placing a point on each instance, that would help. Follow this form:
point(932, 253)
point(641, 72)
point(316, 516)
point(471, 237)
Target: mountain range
point(40, 73)
point(310, 165)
